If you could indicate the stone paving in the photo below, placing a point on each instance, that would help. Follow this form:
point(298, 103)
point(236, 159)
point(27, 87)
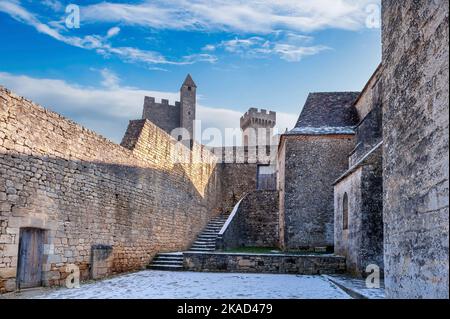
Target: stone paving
point(151, 284)
point(357, 287)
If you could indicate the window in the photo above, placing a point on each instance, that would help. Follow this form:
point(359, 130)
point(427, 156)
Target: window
point(345, 212)
point(189, 88)
point(266, 177)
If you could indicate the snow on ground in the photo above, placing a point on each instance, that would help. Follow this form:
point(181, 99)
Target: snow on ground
point(150, 284)
point(358, 286)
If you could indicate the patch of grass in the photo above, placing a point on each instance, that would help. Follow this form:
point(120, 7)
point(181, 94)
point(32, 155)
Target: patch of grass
point(255, 250)
point(271, 250)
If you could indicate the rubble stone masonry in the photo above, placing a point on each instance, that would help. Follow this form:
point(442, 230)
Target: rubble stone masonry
point(308, 167)
point(84, 191)
point(416, 148)
point(253, 223)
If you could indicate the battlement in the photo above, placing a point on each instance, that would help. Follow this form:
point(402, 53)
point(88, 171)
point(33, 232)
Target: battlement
point(150, 100)
point(258, 118)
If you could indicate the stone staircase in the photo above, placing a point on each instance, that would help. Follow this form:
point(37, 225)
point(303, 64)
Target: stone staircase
point(206, 242)
point(167, 261)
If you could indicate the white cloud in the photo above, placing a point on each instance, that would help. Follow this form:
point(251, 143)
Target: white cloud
point(289, 47)
point(113, 32)
point(55, 5)
point(249, 16)
point(107, 110)
point(209, 47)
point(294, 53)
point(97, 42)
point(276, 22)
point(110, 79)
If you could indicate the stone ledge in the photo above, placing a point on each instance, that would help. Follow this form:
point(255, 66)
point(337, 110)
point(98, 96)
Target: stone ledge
point(264, 263)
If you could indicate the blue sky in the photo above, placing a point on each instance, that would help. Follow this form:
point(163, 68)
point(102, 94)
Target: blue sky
point(257, 53)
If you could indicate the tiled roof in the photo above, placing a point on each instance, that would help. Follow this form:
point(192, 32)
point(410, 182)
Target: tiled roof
point(334, 109)
point(321, 130)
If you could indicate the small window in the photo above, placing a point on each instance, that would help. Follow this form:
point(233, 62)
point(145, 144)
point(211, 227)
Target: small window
point(345, 212)
point(266, 178)
point(189, 88)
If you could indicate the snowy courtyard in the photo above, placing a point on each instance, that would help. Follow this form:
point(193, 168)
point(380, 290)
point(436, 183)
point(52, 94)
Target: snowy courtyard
point(152, 284)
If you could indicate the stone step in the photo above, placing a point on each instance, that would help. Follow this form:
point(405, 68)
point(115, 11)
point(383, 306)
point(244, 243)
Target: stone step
point(166, 263)
point(201, 249)
point(204, 246)
point(209, 234)
point(174, 258)
point(207, 238)
point(205, 242)
point(170, 254)
point(166, 267)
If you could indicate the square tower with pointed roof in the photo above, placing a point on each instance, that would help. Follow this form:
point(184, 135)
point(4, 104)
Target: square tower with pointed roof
point(171, 117)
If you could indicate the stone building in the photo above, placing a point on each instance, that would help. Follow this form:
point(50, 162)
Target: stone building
point(367, 173)
point(175, 119)
point(71, 197)
point(65, 191)
point(358, 207)
point(416, 148)
point(310, 158)
point(257, 127)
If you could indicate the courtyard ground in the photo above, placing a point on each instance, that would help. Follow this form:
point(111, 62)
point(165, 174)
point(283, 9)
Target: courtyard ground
point(152, 284)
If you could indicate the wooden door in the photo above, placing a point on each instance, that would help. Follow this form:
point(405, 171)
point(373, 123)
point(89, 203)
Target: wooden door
point(31, 251)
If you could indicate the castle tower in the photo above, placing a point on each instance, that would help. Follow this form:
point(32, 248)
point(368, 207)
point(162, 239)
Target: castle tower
point(187, 105)
point(257, 127)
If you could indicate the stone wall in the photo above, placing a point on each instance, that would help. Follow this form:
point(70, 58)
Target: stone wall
point(362, 242)
point(369, 131)
point(415, 38)
point(254, 223)
point(164, 115)
point(84, 190)
point(237, 179)
point(369, 94)
point(308, 167)
point(264, 263)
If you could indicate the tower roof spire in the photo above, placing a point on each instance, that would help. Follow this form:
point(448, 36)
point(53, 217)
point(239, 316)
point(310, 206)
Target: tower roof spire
point(189, 82)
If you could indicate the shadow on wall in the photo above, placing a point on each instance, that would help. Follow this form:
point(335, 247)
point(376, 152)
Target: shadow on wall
point(253, 222)
point(139, 211)
point(144, 197)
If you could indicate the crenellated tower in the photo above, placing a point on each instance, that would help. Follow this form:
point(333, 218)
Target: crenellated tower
point(257, 127)
point(172, 117)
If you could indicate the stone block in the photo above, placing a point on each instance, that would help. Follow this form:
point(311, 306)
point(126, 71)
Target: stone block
point(10, 250)
point(10, 284)
point(8, 273)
